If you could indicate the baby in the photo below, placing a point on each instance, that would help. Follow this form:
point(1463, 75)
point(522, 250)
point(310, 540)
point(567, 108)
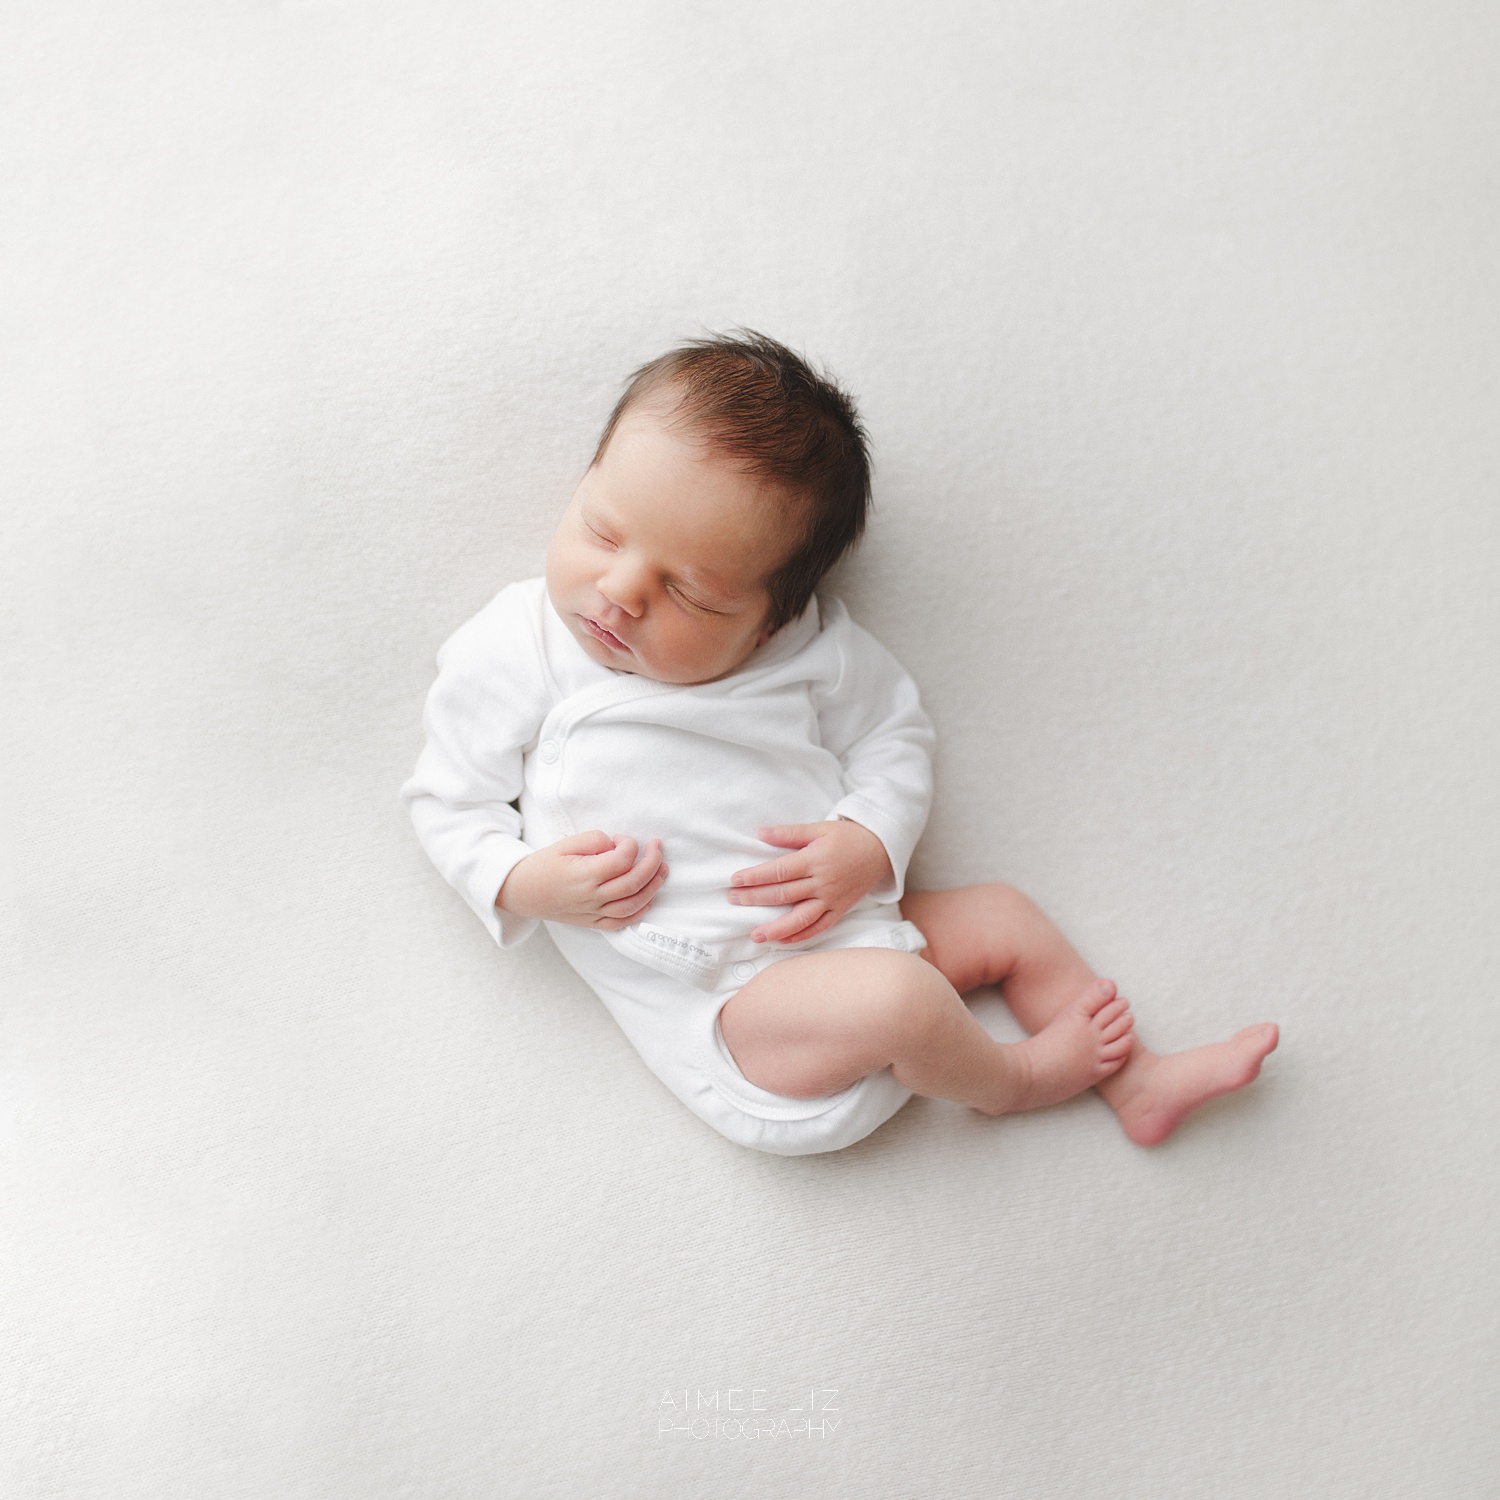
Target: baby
point(616, 748)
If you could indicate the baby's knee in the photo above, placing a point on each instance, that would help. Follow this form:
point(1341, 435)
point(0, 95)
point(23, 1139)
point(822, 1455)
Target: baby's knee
point(1005, 900)
point(1002, 911)
point(904, 995)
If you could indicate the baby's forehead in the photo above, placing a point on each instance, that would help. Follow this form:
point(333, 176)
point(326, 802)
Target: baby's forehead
point(712, 445)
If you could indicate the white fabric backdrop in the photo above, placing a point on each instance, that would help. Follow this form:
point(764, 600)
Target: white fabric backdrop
point(1177, 331)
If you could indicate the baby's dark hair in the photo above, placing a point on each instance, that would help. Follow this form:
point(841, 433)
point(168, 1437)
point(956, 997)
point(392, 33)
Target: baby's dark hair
point(755, 401)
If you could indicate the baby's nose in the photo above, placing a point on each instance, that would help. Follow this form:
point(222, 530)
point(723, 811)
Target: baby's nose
point(625, 586)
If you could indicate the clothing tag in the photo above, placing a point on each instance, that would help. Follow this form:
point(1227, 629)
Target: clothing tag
point(669, 952)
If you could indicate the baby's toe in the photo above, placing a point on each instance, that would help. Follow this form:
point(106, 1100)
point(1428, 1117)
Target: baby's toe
point(1098, 995)
point(1110, 1013)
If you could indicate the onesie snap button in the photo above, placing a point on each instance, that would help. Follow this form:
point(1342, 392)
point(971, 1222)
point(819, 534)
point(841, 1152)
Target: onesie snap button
point(549, 751)
point(898, 940)
point(744, 969)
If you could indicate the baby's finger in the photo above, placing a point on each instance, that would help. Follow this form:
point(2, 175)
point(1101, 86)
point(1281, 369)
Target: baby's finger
point(806, 934)
point(633, 905)
point(615, 861)
point(614, 924)
point(595, 841)
point(775, 895)
point(773, 872)
point(791, 835)
point(639, 875)
point(820, 926)
point(792, 924)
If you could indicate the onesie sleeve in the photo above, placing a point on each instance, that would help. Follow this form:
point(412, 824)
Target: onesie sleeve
point(482, 713)
point(872, 719)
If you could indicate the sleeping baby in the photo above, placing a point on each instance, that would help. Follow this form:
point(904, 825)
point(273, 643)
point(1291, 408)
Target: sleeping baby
point(708, 781)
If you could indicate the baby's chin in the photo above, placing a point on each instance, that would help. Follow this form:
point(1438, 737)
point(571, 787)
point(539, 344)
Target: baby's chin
point(616, 661)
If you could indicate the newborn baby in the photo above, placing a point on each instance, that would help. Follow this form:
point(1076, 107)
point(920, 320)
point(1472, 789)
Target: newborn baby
point(616, 748)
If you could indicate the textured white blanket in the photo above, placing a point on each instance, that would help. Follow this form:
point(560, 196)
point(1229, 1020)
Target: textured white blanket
point(1176, 331)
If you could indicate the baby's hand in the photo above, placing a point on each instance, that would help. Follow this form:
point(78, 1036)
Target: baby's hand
point(589, 880)
point(836, 864)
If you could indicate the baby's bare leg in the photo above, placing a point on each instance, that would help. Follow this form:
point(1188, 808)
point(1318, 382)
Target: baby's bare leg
point(814, 1024)
point(992, 934)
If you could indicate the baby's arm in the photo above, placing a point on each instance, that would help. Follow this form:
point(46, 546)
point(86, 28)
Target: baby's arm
point(872, 719)
point(487, 705)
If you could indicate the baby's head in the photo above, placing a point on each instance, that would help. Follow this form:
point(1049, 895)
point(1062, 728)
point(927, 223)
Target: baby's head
point(729, 479)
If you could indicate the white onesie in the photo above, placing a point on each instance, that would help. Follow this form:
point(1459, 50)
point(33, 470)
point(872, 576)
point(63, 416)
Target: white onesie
point(529, 740)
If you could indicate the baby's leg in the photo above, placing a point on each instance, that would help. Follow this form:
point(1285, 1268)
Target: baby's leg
point(992, 934)
point(814, 1024)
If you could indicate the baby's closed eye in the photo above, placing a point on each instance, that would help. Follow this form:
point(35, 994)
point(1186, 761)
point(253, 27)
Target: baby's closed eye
point(679, 593)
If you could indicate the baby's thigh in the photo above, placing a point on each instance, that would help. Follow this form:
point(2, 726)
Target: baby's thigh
point(814, 1024)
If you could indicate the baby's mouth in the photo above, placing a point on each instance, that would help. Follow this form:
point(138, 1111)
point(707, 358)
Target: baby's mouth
point(599, 633)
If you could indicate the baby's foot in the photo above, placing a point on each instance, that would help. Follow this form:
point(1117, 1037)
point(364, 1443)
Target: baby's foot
point(1082, 1044)
point(1159, 1093)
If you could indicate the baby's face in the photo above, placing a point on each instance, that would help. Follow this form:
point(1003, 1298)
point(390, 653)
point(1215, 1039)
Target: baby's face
point(659, 564)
